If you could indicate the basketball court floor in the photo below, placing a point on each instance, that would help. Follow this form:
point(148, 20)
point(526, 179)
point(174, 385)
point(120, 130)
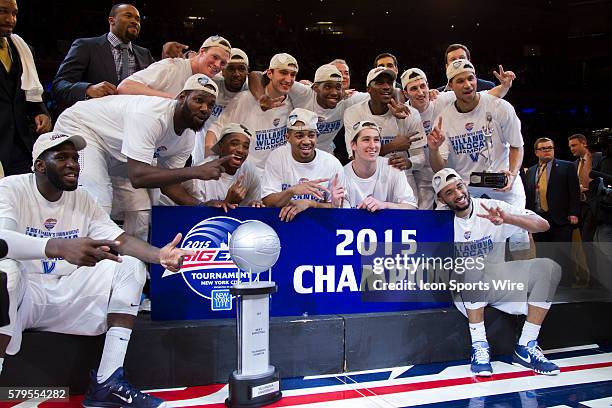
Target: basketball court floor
point(585, 381)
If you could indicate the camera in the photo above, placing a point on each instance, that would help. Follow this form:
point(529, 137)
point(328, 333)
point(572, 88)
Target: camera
point(601, 140)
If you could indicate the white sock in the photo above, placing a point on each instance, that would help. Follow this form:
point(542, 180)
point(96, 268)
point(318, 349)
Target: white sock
point(530, 332)
point(115, 347)
point(478, 332)
point(1, 364)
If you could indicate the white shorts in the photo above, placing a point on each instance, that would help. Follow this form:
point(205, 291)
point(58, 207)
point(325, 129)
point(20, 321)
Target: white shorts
point(73, 304)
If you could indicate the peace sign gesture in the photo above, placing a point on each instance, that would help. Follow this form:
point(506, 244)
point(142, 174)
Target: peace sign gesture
point(505, 78)
point(237, 191)
point(436, 137)
point(495, 215)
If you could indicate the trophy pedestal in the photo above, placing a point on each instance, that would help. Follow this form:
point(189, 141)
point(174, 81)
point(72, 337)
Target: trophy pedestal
point(255, 383)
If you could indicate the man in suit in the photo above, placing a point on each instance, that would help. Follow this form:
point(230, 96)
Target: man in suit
point(553, 192)
point(21, 115)
point(94, 66)
point(585, 162)
point(459, 51)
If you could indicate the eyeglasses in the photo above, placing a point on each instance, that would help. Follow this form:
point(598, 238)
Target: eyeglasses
point(545, 149)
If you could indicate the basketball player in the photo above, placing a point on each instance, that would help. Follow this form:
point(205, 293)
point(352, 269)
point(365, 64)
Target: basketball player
point(268, 127)
point(126, 133)
point(371, 183)
point(481, 229)
point(416, 90)
point(49, 294)
point(294, 173)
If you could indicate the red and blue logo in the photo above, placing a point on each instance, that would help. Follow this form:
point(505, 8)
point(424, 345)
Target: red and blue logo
point(50, 223)
point(469, 126)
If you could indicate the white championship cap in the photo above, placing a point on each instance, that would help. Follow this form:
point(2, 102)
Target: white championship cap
point(228, 129)
point(411, 75)
point(283, 61)
point(443, 178)
point(217, 41)
point(309, 118)
point(52, 139)
point(200, 82)
point(326, 73)
point(376, 72)
point(459, 66)
point(365, 124)
point(237, 56)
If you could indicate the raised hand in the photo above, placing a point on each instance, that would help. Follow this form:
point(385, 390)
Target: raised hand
point(311, 187)
point(511, 177)
point(433, 94)
point(436, 137)
point(293, 208)
point(171, 257)
point(337, 193)
point(237, 191)
point(81, 251)
point(495, 215)
point(399, 110)
point(212, 170)
point(266, 102)
point(42, 123)
point(371, 204)
point(505, 78)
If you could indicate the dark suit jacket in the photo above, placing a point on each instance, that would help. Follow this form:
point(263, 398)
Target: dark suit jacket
point(596, 159)
point(90, 61)
point(16, 114)
point(481, 85)
point(563, 192)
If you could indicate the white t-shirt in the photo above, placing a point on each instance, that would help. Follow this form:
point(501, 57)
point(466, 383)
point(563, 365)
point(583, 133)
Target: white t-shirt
point(465, 138)
point(387, 184)
point(206, 190)
point(391, 127)
point(268, 127)
point(168, 75)
point(135, 126)
point(476, 236)
point(74, 215)
point(330, 120)
point(223, 99)
point(283, 171)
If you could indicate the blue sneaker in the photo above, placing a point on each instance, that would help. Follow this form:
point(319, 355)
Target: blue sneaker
point(117, 392)
point(531, 356)
point(481, 360)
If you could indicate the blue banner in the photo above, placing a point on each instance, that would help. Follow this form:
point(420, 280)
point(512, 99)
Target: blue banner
point(320, 270)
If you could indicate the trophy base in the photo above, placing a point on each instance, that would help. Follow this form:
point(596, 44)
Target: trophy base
point(254, 391)
point(488, 180)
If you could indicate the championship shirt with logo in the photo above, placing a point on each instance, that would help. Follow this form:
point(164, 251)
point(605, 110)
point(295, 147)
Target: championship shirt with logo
point(330, 120)
point(135, 126)
point(223, 99)
point(465, 145)
point(476, 236)
point(283, 171)
point(386, 184)
point(168, 75)
point(391, 127)
point(74, 215)
point(268, 127)
point(206, 190)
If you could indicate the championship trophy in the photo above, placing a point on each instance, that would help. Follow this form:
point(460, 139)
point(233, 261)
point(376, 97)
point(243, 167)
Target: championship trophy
point(488, 178)
point(254, 247)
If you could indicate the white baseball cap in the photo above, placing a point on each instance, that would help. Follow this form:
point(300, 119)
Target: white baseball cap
point(52, 139)
point(229, 129)
point(376, 72)
point(326, 73)
point(459, 66)
point(365, 124)
point(237, 56)
point(283, 61)
point(309, 118)
point(443, 178)
point(217, 41)
point(411, 75)
point(201, 82)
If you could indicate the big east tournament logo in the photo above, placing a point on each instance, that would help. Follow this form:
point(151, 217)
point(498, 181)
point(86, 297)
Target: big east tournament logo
point(211, 272)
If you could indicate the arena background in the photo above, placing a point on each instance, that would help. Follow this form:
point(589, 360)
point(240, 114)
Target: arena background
point(560, 50)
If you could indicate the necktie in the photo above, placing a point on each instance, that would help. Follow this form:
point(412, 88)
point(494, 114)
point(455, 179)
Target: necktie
point(542, 187)
point(5, 57)
point(125, 61)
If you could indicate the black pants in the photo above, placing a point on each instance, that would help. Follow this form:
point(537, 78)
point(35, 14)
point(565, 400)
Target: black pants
point(556, 244)
point(4, 301)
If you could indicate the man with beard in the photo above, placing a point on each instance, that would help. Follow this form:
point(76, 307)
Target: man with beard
point(372, 184)
point(94, 66)
point(294, 173)
point(416, 90)
point(481, 229)
point(51, 295)
point(126, 133)
point(268, 126)
point(398, 136)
